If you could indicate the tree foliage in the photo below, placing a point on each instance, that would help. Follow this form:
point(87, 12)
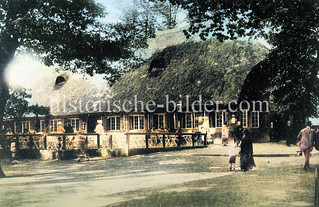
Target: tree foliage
point(18, 105)
point(137, 25)
point(65, 33)
point(140, 23)
point(291, 27)
point(167, 13)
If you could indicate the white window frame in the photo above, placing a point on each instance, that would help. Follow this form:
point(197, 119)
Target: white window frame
point(15, 127)
point(138, 122)
point(117, 126)
point(76, 126)
point(223, 114)
point(158, 121)
point(22, 125)
point(42, 126)
point(244, 116)
point(196, 119)
point(52, 123)
point(252, 119)
point(191, 116)
point(216, 119)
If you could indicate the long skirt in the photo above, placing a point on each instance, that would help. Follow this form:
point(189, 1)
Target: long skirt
point(244, 161)
point(251, 161)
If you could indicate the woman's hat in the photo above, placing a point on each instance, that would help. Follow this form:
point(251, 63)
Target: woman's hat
point(60, 123)
point(99, 121)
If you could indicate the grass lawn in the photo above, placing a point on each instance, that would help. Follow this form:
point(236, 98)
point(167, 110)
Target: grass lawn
point(283, 185)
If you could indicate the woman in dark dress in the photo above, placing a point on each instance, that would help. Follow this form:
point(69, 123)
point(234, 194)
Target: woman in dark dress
point(246, 152)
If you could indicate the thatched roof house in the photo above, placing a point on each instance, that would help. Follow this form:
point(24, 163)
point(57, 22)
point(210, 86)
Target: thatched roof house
point(212, 69)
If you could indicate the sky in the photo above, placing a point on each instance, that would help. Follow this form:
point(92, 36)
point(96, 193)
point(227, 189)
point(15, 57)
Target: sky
point(115, 9)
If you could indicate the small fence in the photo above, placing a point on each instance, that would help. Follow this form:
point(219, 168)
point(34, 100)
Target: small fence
point(117, 141)
point(165, 140)
point(54, 141)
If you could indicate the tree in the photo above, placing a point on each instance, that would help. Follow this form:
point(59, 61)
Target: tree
point(136, 27)
point(18, 105)
point(65, 33)
point(291, 68)
point(168, 12)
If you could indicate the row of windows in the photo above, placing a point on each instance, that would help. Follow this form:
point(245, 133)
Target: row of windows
point(22, 127)
point(75, 123)
point(187, 120)
point(25, 126)
point(217, 119)
point(137, 122)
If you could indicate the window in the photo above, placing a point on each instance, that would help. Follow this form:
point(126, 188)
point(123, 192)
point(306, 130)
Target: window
point(243, 118)
point(196, 121)
point(136, 122)
point(54, 125)
point(255, 119)
point(22, 127)
point(75, 123)
point(212, 123)
point(158, 121)
point(188, 120)
point(42, 126)
point(217, 119)
point(113, 123)
point(17, 127)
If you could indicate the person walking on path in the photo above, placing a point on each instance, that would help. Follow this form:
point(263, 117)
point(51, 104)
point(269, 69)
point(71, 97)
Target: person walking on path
point(238, 133)
point(233, 152)
point(251, 161)
point(305, 144)
point(232, 127)
point(246, 152)
point(225, 135)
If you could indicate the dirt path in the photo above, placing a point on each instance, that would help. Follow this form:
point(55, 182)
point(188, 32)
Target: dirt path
point(127, 180)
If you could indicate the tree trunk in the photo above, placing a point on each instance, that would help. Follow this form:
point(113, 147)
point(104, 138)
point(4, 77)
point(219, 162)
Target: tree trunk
point(4, 95)
point(6, 55)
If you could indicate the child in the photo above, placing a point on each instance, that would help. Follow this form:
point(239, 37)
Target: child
point(232, 157)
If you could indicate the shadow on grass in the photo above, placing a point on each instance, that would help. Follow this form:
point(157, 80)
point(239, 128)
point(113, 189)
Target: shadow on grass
point(275, 186)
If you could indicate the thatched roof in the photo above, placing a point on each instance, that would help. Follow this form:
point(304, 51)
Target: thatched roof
point(212, 69)
point(48, 86)
point(77, 89)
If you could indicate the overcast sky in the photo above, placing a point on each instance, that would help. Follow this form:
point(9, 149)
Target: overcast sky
point(115, 8)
